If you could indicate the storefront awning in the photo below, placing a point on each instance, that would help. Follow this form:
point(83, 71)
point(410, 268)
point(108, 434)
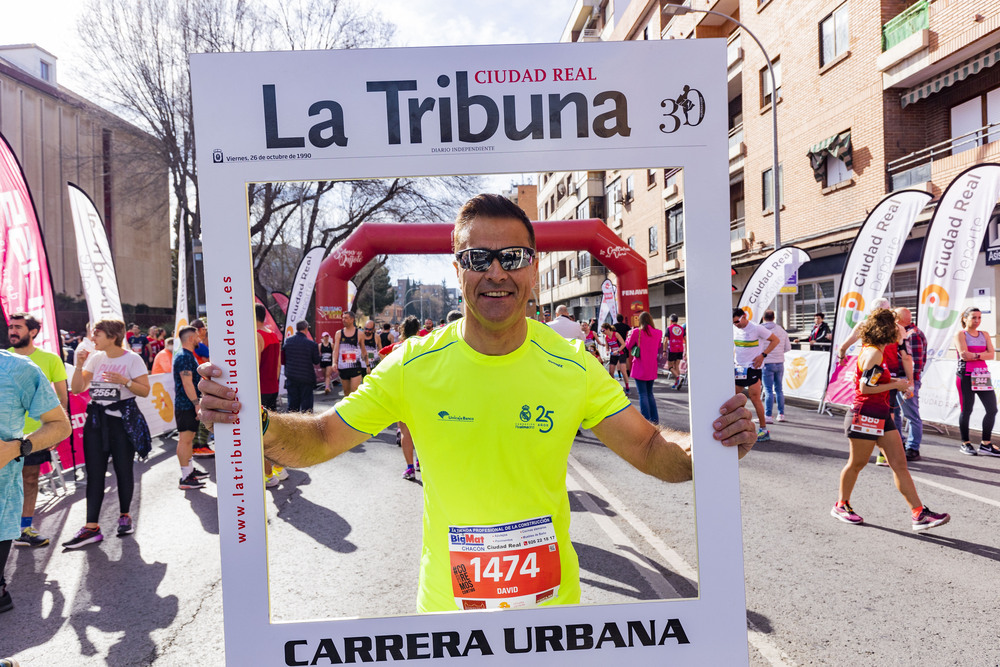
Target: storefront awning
point(949, 77)
point(839, 146)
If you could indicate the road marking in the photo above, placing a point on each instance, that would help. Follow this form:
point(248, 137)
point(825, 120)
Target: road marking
point(945, 487)
point(663, 588)
point(759, 640)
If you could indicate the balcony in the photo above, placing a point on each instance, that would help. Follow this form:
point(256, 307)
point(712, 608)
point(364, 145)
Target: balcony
point(734, 53)
point(936, 165)
point(737, 148)
point(905, 41)
point(908, 23)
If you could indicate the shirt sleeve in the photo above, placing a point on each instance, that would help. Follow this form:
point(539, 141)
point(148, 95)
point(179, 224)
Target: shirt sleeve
point(57, 370)
point(39, 394)
point(376, 403)
point(604, 395)
point(136, 366)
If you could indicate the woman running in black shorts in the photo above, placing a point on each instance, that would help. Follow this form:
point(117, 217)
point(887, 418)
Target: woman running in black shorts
point(616, 349)
point(869, 423)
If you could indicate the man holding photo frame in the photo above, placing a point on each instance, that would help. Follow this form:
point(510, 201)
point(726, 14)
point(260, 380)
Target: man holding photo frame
point(496, 399)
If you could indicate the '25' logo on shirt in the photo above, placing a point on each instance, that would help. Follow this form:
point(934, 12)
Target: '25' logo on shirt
point(542, 421)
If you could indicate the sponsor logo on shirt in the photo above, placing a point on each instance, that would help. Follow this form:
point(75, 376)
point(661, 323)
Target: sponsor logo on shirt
point(445, 416)
point(539, 419)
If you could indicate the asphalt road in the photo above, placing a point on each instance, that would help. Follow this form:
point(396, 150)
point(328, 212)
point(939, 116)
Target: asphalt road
point(344, 541)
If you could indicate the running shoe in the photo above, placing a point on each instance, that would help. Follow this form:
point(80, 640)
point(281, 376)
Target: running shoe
point(203, 451)
point(271, 481)
point(30, 538)
point(83, 537)
point(416, 462)
point(780, 417)
point(989, 450)
point(763, 435)
point(769, 419)
point(125, 526)
point(199, 474)
point(881, 461)
point(399, 437)
point(6, 604)
point(912, 455)
point(928, 519)
point(280, 472)
point(408, 474)
point(191, 482)
point(845, 514)
point(967, 448)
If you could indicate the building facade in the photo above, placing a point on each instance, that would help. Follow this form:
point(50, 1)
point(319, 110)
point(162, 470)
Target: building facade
point(872, 96)
point(59, 137)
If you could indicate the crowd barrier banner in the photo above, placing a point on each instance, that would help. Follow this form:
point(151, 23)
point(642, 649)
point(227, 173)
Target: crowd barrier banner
point(97, 266)
point(25, 283)
point(951, 251)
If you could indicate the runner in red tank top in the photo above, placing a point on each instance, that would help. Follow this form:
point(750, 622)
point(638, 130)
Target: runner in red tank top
point(869, 422)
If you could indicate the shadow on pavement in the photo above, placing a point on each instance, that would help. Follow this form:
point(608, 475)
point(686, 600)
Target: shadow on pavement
point(760, 622)
point(576, 505)
point(120, 597)
point(629, 581)
point(945, 540)
point(320, 523)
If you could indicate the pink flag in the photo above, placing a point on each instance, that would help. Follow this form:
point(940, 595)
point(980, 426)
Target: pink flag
point(25, 285)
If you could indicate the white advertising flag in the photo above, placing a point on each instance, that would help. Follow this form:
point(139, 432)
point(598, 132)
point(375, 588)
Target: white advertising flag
point(768, 279)
point(302, 289)
point(181, 310)
point(872, 259)
point(97, 268)
point(609, 304)
point(951, 252)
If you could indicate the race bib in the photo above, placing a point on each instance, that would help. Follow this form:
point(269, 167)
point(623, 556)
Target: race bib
point(981, 380)
point(741, 372)
point(326, 356)
point(867, 425)
point(108, 392)
point(506, 566)
point(349, 357)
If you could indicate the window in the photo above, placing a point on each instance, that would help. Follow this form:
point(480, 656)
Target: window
point(650, 178)
point(833, 35)
point(583, 258)
point(768, 195)
point(631, 242)
point(765, 82)
point(629, 188)
point(46, 70)
point(973, 115)
point(812, 298)
point(583, 210)
point(670, 177)
point(902, 290)
point(613, 193)
point(572, 267)
point(675, 225)
point(836, 171)
point(654, 245)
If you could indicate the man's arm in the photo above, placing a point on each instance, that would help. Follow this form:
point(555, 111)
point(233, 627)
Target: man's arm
point(292, 440)
point(851, 340)
point(658, 453)
point(54, 429)
point(187, 379)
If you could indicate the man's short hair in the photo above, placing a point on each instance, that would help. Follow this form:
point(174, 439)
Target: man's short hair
point(673, 317)
point(301, 325)
point(768, 315)
point(260, 311)
point(454, 315)
point(186, 333)
point(621, 318)
point(738, 312)
point(488, 206)
point(385, 326)
point(198, 323)
point(29, 321)
point(819, 315)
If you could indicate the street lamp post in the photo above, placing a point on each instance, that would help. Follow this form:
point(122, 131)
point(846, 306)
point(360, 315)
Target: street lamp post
point(680, 10)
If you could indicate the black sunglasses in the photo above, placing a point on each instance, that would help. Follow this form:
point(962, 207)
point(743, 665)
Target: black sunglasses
point(480, 259)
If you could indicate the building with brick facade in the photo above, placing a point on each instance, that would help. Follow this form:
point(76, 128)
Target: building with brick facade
point(872, 96)
point(58, 136)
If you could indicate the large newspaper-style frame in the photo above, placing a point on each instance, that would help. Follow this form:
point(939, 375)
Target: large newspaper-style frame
point(347, 114)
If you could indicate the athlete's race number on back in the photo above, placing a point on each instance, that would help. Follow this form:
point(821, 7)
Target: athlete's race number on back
point(495, 572)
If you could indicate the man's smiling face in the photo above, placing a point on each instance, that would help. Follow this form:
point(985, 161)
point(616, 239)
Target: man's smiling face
point(495, 298)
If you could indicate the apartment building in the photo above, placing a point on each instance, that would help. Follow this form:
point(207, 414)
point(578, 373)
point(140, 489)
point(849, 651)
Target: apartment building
point(58, 136)
point(872, 96)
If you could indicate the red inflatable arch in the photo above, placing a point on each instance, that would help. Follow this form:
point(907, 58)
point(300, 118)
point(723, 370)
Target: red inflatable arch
point(371, 239)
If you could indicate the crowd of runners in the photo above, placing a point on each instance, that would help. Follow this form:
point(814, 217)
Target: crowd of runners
point(114, 362)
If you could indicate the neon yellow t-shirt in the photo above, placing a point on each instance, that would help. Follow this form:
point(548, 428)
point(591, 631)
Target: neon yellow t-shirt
point(493, 435)
point(53, 368)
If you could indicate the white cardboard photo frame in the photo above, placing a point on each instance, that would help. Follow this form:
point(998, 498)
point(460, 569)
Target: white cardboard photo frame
point(646, 103)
